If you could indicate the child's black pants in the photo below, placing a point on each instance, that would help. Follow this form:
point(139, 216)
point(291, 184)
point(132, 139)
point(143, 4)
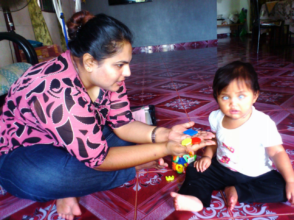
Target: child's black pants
point(266, 188)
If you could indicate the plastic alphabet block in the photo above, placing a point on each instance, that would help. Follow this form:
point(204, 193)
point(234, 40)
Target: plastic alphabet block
point(186, 141)
point(196, 140)
point(180, 164)
point(190, 132)
point(170, 178)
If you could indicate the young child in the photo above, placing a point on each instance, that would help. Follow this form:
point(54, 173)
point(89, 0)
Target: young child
point(247, 144)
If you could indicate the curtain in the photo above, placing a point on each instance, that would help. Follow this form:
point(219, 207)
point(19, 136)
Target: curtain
point(39, 25)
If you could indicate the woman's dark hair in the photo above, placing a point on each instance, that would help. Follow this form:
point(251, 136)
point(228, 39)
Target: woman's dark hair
point(236, 70)
point(101, 35)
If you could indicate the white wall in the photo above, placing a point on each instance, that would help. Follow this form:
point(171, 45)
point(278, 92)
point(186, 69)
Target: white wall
point(226, 7)
point(23, 27)
point(51, 20)
point(68, 7)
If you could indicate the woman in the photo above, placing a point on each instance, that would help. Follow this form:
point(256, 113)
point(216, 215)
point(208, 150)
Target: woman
point(64, 119)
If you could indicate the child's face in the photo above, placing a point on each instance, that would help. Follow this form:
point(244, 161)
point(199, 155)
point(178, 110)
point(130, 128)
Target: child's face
point(236, 100)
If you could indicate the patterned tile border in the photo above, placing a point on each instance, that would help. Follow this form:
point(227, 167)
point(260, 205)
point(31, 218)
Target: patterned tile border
point(174, 47)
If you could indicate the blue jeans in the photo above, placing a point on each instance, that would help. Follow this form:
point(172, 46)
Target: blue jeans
point(44, 172)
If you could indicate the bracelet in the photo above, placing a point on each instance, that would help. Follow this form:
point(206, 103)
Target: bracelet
point(153, 134)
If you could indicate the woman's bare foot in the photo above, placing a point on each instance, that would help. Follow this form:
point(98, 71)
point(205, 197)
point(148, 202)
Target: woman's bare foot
point(186, 203)
point(67, 208)
point(158, 164)
point(232, 196)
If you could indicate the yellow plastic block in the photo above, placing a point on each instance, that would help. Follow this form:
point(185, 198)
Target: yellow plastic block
point(186, 141)
point(170, 178)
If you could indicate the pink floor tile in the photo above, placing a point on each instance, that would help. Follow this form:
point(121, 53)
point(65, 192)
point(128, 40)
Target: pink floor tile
point(10, 205)
point(36, 211)
point(174, 85)
point(261, 210)
point(287, 125)
point(148, 96)
point(217, 210)
point(269, 72)
point(279, 84)
point(275, 98)
point(143, 82)
point(289, 73)
point(203, 90)
point(182, 104)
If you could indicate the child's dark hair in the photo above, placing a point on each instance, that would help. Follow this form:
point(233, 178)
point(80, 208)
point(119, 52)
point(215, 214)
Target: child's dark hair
point(236, 70)
point(101, 35)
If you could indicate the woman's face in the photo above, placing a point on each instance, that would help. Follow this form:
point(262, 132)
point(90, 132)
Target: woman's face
point(111, 72)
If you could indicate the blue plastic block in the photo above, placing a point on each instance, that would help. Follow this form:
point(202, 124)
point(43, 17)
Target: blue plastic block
point(190, 132)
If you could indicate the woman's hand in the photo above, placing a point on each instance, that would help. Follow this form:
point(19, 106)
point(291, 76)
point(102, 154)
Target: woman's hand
point(202, 164)
point(176, 149)
point(176, 133)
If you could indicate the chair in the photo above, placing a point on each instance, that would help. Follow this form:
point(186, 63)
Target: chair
point(259, 24)
point(9, 74)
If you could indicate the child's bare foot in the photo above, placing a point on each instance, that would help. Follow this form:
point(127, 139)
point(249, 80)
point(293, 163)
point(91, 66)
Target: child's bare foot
point(186, 203)
point(68, 207)
point(232, 196)
point(158, 164)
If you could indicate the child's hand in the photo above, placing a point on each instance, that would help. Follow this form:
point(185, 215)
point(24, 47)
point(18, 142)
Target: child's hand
point(202, 164)
point(290, 192)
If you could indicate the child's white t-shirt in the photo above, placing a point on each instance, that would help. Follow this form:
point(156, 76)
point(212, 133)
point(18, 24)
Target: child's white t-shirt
point(243, 149)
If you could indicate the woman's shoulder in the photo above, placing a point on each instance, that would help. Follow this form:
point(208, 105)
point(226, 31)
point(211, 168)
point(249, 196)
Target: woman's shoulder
point(52, 76)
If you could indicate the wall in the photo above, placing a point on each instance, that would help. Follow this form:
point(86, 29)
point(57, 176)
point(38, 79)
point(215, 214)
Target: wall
point(226, 7)
point(163, 21)
point(23, 27)
point(68, 7)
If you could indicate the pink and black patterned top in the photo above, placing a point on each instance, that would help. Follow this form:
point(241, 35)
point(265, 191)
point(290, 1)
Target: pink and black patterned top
point(48, 104)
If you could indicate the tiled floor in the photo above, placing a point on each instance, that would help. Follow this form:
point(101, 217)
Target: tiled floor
point(179, 84)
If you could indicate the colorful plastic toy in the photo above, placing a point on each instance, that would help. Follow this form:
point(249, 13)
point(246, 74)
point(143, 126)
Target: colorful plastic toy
point(186, 141)
point(170, 178)
point(179, 164)
point(190, 132)
point(196, 140)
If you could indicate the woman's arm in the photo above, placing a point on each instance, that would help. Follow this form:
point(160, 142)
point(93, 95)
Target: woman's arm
point(130, 156)
point(138, 132)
